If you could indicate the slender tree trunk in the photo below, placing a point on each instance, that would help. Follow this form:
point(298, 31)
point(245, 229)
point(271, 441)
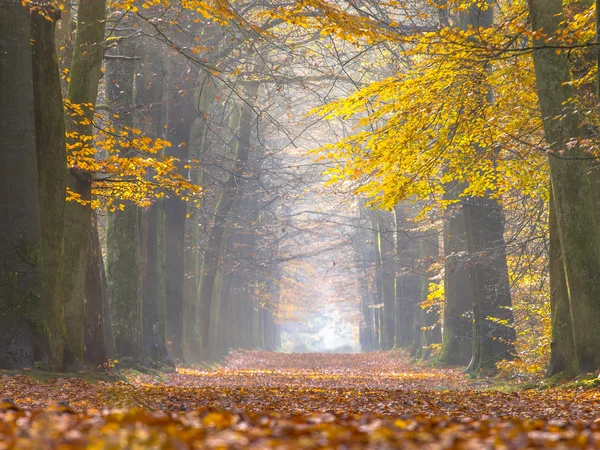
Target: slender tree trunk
point(150, 118)
point(430, 329)
point(23, 332)
point(152, 237)
point(386, 262)
point(242, 121)
point(83, 89)
point(573, 199)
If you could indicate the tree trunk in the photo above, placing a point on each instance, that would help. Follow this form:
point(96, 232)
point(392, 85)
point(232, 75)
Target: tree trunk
point(408, 283)
point(386, 262)
point(152, 263)
point(573, 199)
point(457, 340)
point(493, 331)
point(180, 117)
point(23, 334)
point(194, 223)
point(95, 299)
point(242, 121)
point(430, 329)
point(83, 89)
point(51, 160)
point(562, 346)
point(123, 253)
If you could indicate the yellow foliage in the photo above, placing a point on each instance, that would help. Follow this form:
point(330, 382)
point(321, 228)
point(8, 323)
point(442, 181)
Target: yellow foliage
point(125, 165)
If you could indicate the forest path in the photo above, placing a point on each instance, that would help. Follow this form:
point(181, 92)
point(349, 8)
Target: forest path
point(264, 400)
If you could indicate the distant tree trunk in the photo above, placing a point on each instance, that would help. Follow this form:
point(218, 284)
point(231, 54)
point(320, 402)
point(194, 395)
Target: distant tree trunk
point(242, 121)
point(573, 199)
point(149, 98)
point(408, 283)
point(379, 282)
point(194, 224)
point(386, 262)
point(181, 114)
point(152, 237)
point(430, 329)
point(51, 160)
point(493, 331)
point(457, 341)
point(85, 73)
point(23, 333)
point(123, 253)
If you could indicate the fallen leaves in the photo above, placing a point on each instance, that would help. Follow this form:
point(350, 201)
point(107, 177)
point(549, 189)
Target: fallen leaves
point(260, 400)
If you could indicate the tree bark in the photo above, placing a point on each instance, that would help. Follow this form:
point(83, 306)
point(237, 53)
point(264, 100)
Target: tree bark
point(242, 121)
point(181, 114)
point(95, 299)
point(194, 224)
point(493, 331)
point(123, 253)
point(573, 199)
point(83, 89)
point(457, 340)
point(23, 332)
point(51, 161)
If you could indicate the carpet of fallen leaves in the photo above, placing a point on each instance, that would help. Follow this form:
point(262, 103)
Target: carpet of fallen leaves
point(276, 400)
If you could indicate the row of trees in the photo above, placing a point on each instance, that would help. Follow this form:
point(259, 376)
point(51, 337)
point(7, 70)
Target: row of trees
point(467, 129)
point(133, 266)
point(495, 106)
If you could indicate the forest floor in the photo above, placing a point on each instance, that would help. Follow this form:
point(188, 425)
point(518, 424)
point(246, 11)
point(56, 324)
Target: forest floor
point(277, 400)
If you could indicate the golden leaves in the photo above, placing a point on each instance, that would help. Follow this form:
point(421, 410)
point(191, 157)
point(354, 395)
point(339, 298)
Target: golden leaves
point(125, 165)
point(264, 400)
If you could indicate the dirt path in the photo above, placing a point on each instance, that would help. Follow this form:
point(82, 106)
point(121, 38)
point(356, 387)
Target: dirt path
point(260, 399)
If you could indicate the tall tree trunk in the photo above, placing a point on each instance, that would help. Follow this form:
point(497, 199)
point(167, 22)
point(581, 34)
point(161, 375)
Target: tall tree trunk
point(562, 346)
point(83, 89)
point(408, 283)
point(51, 160)
point(242, 121)
point(194, 224)
point(149, 98)
point(386, 262)
point(181, 114)
point(152, 237)
point(123, 253)
point(493, 331)
point(23, 334)
point(457, 340)
point(573, 199)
